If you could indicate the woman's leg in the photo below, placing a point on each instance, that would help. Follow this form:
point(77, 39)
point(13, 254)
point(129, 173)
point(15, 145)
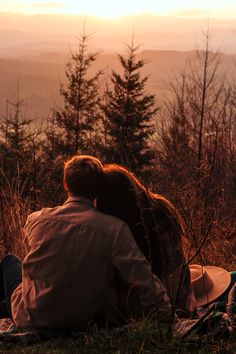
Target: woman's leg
point(10, 278)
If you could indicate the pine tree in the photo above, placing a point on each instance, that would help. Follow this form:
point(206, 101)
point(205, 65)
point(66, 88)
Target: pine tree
point(19, 153)
point(15, 135)
point(75, 125)
point(127, 115)
point(14, 128)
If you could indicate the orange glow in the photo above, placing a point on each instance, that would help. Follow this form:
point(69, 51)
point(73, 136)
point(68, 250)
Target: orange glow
point(111, 9)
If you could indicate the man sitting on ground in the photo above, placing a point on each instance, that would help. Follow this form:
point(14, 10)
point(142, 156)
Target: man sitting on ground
point(73, 249)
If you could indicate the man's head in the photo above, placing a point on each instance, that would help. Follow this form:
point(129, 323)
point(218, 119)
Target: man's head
point(82, 176)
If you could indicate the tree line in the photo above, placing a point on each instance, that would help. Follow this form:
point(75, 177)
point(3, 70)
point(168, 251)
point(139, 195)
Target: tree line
point(185, 149)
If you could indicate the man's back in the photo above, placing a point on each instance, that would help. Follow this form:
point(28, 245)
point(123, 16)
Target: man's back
point(68, 271)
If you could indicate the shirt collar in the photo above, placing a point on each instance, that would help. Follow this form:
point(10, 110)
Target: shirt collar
point(82, 200)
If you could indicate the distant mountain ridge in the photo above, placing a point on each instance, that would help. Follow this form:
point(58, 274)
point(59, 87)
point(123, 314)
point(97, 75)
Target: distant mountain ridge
point(14, 43)
point(19, 33)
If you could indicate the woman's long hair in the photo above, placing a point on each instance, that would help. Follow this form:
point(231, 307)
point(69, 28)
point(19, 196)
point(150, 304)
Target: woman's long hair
point(147, 214)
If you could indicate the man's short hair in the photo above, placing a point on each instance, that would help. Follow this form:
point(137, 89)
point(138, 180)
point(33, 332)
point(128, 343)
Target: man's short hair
point(82, 175)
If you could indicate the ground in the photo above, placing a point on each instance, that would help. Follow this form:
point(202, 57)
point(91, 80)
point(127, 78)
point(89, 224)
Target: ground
point(139, 337)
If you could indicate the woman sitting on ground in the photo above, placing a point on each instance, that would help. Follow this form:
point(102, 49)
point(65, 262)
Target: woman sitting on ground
point(156, 227)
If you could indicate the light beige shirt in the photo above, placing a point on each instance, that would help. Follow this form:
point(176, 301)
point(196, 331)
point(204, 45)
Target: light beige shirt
point(68, 271)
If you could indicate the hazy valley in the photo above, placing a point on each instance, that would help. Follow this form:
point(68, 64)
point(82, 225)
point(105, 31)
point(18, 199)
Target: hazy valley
point(35, 49)
point(39, 76)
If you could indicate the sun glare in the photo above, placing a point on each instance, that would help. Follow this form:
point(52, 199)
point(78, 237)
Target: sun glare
point(111, 9)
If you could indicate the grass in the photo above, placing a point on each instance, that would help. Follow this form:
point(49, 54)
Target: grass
point(140, 337)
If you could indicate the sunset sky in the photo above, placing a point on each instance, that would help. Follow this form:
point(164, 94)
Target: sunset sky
point(109, 9)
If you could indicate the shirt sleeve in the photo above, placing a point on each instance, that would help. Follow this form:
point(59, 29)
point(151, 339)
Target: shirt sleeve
point(136, 270)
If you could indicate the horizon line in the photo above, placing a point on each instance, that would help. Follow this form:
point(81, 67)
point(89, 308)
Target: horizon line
point(124, 16)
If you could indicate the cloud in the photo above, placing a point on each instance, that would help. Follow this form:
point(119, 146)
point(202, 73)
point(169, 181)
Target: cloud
point(50, 5)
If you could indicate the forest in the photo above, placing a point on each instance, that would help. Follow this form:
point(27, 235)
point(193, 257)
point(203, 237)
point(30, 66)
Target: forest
point(185, 149)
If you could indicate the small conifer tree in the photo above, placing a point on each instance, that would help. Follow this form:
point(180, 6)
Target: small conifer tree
point(127, 115)
point(76, 123)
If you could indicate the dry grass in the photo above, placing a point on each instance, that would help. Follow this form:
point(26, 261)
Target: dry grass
point(14, 211)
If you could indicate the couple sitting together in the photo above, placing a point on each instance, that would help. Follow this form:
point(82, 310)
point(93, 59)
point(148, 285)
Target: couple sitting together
point(111, 252)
